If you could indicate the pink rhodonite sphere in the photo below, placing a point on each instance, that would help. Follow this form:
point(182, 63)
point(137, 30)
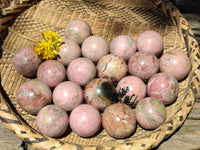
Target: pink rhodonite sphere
point(119, 120)
point(77, 30)
point(33, 95)
point(69, 51)
point(94, 48)
point(67, 95)
point(150, 41)
point(51, 72)
point(112, 67)
point(81, 71)
point(130, 90)
point(26, 62)
point(150, 113)
point(164, 87)
point(123, 46)
point(52, 121)
point(176, 63)
point(85, 120)
point(143, 65)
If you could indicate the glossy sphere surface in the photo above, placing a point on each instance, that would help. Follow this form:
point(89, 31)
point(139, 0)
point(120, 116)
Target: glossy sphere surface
point(81, 71)
point(150, 113)
point(123, 46)
point(150, 41)
point(69, 51)
point(176, 63)
point(94, 48)
point(33, 95)
point(85, 120)
point(112, 67)
point(77, 30)
point(26, 62)
point(100, 93)
point(52, 121)
point(143, 65)
point(67, 95)
point(130, 90)
point(51, 72)
point(119, 120)
point(164, 87)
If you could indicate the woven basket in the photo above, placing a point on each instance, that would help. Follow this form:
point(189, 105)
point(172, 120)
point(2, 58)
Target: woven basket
point(107, 18)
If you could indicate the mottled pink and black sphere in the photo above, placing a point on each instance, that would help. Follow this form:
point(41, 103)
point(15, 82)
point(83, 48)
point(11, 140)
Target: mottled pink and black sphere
point(67, 95)
point(26, 62)
point(176, 63)
point(52, 121)
point(164, 87)
point(81, 71)
point(52, 73)
point(119, 120)
point(150, 113)
point(151, 42)
point(34, 95)
point(130, 90)
point(123, 46)
point(77, 30)
point(85, 120)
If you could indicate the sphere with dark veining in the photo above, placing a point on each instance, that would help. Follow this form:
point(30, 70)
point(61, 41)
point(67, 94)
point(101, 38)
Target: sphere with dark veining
point(100, 93)
point(67, 95)
point(69, 51)
point(85, 120)
point(81, 71)
point(150, 113)
point(94, 48)
point(164, 87)
point(123, 46)
point(52, 73)
point(130, 90)
point(26, 62)
point(119, 120)
point(52, 121)
point(34, 95)
point(77, 30)
point(112, 67)
point(176, 63)
point(143, 65)
point(150, 41)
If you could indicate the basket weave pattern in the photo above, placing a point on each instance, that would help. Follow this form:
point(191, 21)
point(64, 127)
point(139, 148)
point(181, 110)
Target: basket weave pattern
point(108, 19)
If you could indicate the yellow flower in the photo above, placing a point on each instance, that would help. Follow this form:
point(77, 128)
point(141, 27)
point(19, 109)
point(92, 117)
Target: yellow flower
point(49, 46)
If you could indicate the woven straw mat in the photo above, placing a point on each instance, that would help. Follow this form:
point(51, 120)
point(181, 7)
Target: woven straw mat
point(107, 18)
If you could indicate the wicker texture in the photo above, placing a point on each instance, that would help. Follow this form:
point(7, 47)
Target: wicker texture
point(108, 19)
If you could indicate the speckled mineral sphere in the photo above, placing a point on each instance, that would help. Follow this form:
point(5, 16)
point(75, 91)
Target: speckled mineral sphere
point(81, 71)
point(67, 95)
point(77, 30)
point(85, 120)
point(26, 62)
point(164, 87)
point(119, 120)
point(52, 121)
point(94, 48)
point(130, 90)
point(143, 65)
point(51, 72)
point(33, 95)
point(176, 63)
point(150, 113)
point(112, 67)
point(150, 41)
point(100, 93)
point(69, 51)
point(123, 46)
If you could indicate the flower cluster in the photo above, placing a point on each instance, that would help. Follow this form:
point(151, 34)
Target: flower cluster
point(49, 45)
